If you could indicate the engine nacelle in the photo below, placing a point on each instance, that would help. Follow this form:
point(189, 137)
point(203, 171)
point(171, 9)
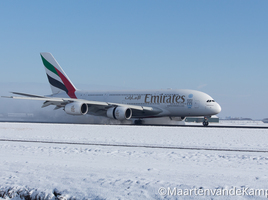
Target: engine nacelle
point(76, 108)
point(119, 113)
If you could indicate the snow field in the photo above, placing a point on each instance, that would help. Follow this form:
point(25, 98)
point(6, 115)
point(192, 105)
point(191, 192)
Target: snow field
point(105, 172)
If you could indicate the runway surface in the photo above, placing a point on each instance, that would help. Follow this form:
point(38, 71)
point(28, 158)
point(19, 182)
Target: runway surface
point(194, 125)
point(210, 126)
point(135, 146)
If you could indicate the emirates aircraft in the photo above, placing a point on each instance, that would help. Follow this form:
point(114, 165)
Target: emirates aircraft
point(121, 105)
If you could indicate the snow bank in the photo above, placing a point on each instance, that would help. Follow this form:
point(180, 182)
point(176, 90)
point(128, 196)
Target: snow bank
point(19, 192)
point(25, 193)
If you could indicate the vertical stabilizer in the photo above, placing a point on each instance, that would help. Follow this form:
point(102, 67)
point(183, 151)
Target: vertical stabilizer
point(57, 78)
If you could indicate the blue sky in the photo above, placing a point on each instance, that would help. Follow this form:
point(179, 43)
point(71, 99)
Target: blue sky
point(218, 47)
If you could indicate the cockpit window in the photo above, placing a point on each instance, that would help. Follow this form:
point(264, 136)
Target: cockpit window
point(211, 100)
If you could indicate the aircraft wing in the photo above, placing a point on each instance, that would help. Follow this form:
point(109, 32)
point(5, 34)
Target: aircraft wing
point(94, 106)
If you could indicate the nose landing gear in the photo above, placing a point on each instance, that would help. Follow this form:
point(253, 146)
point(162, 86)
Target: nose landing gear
point(205, 122)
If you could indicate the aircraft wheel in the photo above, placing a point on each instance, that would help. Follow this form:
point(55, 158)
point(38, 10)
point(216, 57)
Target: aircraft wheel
point(138, 122)
point(205, 123)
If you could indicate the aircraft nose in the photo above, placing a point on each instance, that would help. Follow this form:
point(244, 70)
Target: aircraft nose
point(217, 108)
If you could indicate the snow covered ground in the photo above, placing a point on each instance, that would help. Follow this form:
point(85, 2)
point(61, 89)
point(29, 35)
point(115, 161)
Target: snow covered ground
point(241, 123)
point(78, 171)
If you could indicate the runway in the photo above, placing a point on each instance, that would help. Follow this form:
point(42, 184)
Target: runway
point(135, 146)
point(209, 126)
point(194, 125)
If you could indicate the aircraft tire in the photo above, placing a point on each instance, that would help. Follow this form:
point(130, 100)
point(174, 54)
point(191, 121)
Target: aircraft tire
point(205, 123)
point(138, 122)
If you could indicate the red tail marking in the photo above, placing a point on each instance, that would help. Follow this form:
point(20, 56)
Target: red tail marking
point(68, 85)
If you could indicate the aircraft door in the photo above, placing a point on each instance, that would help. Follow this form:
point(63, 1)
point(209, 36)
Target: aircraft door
point(196, 103)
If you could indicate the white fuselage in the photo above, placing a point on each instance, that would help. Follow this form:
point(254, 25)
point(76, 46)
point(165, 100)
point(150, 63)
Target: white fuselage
point(173, 103)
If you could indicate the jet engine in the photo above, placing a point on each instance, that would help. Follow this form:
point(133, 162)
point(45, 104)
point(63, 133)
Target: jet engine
point(76, 108)
point(119, 113)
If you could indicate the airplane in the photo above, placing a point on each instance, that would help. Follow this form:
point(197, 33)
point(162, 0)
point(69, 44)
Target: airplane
point(177, 104)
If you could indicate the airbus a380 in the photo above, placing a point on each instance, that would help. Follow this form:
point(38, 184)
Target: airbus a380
point(121, 105)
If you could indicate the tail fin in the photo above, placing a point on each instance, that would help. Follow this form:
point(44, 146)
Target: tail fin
point(58, 80)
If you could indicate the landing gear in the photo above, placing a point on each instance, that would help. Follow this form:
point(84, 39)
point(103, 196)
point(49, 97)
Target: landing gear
point(205, 122)
point(138, 122)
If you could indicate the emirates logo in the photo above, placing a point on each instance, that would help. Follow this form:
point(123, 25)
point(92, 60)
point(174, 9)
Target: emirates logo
point(72, 109)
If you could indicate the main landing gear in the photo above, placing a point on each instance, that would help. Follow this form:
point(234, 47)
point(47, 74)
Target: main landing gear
point(205, 122)
point(138, 122)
